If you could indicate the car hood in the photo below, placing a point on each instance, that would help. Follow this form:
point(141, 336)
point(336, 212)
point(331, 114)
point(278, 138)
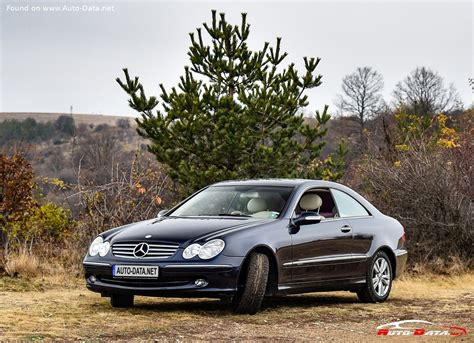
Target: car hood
point(179, 229)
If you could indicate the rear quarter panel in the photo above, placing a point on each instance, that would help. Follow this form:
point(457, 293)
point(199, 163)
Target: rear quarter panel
point(374, 233)
point(371, 233)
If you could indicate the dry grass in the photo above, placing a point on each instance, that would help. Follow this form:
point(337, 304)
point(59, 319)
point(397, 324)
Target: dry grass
point(48, 261)
point(22, 264)
point(452, 265)
point(46, 309)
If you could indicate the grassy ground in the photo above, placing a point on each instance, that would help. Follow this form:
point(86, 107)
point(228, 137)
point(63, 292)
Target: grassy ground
point(61, 308)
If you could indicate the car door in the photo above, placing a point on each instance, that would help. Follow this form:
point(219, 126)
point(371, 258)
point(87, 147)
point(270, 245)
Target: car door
point(322, 251)
point(362, 225)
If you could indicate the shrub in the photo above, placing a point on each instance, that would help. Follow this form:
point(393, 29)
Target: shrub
point(426, 192)
point(16, 194)
point(428, 186)
point(134, 193)
point(123, 123)
point(23, 220)
point(101, 127)
point(65, 124)
point(47, 223)
point(28, 130)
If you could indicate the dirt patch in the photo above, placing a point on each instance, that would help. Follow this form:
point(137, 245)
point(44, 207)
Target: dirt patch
point(55, 312)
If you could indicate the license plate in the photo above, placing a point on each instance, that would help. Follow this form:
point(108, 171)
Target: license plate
point(133, 271)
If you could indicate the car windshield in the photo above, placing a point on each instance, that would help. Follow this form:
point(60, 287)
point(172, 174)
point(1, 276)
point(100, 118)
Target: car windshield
point(264, 202)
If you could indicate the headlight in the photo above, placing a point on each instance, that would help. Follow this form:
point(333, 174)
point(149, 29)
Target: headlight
point(191, 251)
point(95, 246)
point(98, 246)
point(209, 250)
point(104, 249)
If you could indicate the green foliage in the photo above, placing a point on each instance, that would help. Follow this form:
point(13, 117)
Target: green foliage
point(31, 131)
point(236, 113)
point(22, 220)
point(65, 124)
point(28, 130)
point(45, 223)
point(48, 221)
point(430, 132)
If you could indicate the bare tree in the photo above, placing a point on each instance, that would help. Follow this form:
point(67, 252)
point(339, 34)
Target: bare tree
point(423, 92)
point(99, 153)
point(361, 96)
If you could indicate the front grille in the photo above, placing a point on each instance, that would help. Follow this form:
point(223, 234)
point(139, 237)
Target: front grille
point(156, 250)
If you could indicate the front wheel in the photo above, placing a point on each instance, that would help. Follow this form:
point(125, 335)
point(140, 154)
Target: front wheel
point(378, 280)
point(249, 299)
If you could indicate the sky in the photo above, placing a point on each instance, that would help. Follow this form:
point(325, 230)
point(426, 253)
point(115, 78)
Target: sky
point(50, 61)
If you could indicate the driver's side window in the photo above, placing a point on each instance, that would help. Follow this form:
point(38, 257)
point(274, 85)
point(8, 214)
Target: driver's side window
point(325, 205)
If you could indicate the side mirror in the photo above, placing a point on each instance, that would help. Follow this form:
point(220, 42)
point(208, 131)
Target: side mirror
point(161, 213)
point(306, 218)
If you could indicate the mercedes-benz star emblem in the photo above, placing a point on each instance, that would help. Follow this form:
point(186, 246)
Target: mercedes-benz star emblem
point(141, 250)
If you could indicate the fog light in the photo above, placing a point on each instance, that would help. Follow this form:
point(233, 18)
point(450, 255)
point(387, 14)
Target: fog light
point(201, 283)
point(92, 279)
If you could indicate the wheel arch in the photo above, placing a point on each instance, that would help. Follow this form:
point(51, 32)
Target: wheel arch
point(393, 259)
point(272, 284)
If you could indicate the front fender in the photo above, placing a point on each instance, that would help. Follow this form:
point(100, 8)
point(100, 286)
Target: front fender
point(272, 236)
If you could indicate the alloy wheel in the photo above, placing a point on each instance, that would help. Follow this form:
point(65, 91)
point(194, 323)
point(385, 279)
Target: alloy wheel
point(381, 277)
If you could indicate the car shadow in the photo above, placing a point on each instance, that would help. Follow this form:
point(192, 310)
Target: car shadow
point(215, 306)
point(303, 301)
point(184, 305)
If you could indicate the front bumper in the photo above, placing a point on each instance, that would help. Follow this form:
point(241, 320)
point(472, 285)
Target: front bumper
point(176, 278)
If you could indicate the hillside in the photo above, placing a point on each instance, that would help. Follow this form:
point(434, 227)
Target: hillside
point(95, 119)
point(55, 145)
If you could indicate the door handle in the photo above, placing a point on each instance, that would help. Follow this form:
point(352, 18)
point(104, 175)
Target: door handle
point(346, 228)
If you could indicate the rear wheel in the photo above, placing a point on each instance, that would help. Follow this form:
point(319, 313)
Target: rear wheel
point(378, 280)
point(121, 300)
point(249, 297)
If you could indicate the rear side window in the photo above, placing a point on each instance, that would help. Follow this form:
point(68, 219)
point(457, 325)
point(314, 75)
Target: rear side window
point(347, 205)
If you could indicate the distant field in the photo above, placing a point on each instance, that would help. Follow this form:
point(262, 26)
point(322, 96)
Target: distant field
point(95, 119)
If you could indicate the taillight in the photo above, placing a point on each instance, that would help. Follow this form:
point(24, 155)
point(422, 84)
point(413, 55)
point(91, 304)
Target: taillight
point(401, 241)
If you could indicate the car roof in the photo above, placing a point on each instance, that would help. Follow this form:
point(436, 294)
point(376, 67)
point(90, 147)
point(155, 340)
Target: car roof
point(275, 182)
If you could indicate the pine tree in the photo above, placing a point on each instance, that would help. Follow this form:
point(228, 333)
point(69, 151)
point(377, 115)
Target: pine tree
point(235, 114)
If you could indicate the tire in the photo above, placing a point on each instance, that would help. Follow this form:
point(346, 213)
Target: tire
point(379, 280)
point(249, 298)
point(121, 301)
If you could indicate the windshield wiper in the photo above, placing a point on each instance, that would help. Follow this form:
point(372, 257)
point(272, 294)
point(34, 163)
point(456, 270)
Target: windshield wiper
point(234, 215)
point(223, 215)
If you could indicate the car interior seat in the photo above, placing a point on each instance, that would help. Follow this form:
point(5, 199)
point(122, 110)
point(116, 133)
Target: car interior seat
point(258, 207)
point(311, 203)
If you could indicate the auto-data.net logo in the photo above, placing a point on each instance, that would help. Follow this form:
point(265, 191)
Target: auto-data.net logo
point(419, 328)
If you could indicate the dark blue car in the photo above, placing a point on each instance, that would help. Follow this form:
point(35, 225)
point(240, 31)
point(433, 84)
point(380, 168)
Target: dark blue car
point(244, 240)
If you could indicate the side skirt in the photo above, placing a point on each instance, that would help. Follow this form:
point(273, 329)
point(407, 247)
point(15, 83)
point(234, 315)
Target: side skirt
point(322, 286)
